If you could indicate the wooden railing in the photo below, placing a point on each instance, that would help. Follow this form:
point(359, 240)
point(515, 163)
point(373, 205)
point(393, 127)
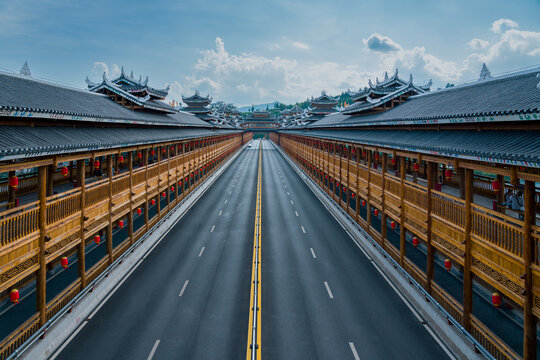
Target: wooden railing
point(497, 239)
point(19, 227)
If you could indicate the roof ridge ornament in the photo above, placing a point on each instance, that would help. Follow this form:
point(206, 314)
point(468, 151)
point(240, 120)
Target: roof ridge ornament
point(145, 82)
point(370, 83)
point(25, 70)
point(131, 75)
point(377, 80)
point(385, 75)
point(410, 79)
point(122, 72)
point(484, 73)
point(105, 77)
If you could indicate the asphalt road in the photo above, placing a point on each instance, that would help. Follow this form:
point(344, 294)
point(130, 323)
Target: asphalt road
point(321, 297)
point(189, 299)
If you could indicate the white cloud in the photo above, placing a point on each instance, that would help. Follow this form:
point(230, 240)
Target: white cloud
point(300, 45)
point(247, 78)
point(497, 26)
point(101, 67)
point(478, 44)
point(380, 43)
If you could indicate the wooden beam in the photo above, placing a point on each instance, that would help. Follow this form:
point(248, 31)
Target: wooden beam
point(384, 227)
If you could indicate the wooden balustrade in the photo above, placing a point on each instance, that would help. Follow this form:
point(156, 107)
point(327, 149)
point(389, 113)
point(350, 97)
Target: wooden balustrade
point(496, 240)
point(19, 227)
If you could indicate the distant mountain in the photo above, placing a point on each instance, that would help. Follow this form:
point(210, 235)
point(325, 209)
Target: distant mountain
point(258, 107)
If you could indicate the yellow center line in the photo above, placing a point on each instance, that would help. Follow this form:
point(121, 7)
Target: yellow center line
point(254, 329)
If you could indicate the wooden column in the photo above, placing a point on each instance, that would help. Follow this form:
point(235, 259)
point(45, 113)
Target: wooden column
point(12, 193)
point(131, 193)
point(109, 228)
point(384, 227)
point(41, 276)
point(340, 187)
point(369, 156)
point(357, 165)
point(158, 202)
point(50, 177)
point(81, 248)
point(402, 230)
point(348, 194)
point(168, 192)
point(529, 251)
point(461, 174)
point(431, 173)
point(145, 157)
point(415, 173)
point(467, 274)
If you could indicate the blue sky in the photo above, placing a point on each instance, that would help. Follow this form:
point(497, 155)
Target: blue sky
point(250, 52)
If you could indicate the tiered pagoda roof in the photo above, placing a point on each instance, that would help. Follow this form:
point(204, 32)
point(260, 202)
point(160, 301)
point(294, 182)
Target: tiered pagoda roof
point(199, 106)
point(385, 94)
point(321, 106)
point(131, 93)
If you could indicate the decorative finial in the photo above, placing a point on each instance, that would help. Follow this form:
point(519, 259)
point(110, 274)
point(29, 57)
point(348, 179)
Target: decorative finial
point(370, 83)
point(377, 80)
point(122, 71)
point(410, 78)
point(25, 70)
point(396, 74)
point(140, 78)
point(104, 77)
point(484, 73)
point(386, 75)
point(131, 75)
point(145, 82)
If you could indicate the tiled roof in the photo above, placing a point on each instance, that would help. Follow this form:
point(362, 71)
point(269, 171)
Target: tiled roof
point(44, 99)
point(500, 146)
point(514, 94)
point(19, 142)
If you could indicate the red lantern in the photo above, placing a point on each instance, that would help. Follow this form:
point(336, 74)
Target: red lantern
point(448, 175)
point(393, 161)
point(97, 239)
point(186, 178)
point(172, 188)
point(191, 175)
point(152, 152)
point(376, 212)
point(393, 225)
point(14, 182)
point(416, 167)
point(65, 171)
point(352, 195)
point(121, 224)
point(163, 194)
point(14, 296)
point(363, 202)
point(139, 211)
point(496, 185)
point(331, 180)
point(448, 264)
point(64, 262)
point(496, 299)
point(376, 156)
point(96, 164)
point(344, 189)
point(153, 201)
point(121, 159)
point(139, 155)
point(415, 241)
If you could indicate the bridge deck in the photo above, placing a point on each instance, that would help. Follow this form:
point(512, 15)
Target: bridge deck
point(192, 292)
